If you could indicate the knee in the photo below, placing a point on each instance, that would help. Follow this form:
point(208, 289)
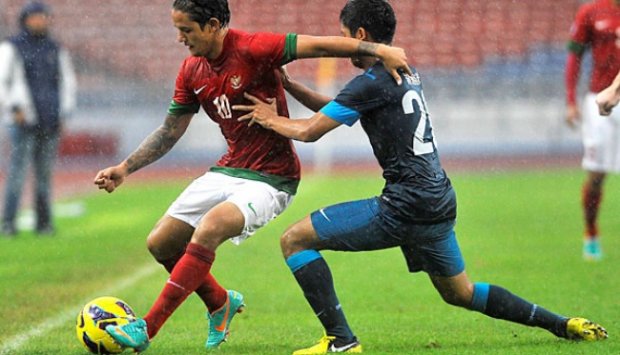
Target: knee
point(155, 246)
point(212, 235)
point(164, 246)
point(292, 241)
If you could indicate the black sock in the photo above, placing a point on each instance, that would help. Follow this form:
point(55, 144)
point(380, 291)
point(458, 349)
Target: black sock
point(316, 281)
point(502, 304)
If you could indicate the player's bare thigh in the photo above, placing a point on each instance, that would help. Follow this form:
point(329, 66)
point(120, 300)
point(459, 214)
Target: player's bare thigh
point(169, 237)
point(300, 236)
point(219, 224)
point(456, 290)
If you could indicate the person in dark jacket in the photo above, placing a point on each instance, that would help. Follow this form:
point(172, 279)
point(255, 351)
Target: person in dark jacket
point(37, 91)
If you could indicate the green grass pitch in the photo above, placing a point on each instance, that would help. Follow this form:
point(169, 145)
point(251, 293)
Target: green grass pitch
point(520, 230)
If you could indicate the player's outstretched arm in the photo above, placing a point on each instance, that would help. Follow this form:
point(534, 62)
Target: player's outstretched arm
point(155, 146)
point(394, 58)
point(609, 97)
point(303, 129)
point(306, 96)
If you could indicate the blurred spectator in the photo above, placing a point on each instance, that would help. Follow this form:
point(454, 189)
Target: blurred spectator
point(37, 91)
point(596, 27)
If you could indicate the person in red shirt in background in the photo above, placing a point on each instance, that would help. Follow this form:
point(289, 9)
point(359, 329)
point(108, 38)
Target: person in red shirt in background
point(596, 27)
point(252, 183)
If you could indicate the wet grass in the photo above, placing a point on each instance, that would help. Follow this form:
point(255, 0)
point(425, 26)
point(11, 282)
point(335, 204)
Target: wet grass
point(520, 230)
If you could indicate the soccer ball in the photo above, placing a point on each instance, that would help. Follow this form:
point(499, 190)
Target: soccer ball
point(95, 316)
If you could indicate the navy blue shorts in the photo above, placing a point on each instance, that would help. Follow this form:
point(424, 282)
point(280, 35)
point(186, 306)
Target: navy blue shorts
point(360, 225)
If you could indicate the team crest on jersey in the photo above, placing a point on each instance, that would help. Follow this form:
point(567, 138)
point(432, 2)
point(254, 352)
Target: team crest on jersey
point(413, 79)
point(235, 81)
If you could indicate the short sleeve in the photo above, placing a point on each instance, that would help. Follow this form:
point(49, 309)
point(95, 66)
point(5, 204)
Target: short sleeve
point(183, 94)
point(340, 113)
point(581, 28)
point(268, 49)
point(184, 100)
point(357, 98)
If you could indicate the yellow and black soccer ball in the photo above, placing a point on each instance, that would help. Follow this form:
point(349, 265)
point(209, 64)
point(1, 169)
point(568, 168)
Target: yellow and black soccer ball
point(95, 316)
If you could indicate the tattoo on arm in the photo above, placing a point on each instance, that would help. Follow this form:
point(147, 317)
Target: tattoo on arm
point(367, 48)
point(156, 145)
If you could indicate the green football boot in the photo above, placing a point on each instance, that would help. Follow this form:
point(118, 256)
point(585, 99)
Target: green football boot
point(219, 321)
point(131, 335)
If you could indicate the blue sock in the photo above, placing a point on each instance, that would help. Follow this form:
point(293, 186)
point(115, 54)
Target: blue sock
point(499, 303)
point(315, 279)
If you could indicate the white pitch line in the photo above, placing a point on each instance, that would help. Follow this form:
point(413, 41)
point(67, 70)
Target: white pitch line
point(16, 342)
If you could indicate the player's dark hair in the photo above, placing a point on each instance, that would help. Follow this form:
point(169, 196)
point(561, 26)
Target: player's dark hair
point(202, 10)
point(375, 16)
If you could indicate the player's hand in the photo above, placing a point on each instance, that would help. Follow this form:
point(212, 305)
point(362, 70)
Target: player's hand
point(607, 100)
point(394, 59)
point(285, 78)
point(110, 178)
point(260, 112)
point(572, 115)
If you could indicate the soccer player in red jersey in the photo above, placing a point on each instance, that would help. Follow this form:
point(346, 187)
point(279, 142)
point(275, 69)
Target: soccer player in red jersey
point(252, 183)
point(597, 27)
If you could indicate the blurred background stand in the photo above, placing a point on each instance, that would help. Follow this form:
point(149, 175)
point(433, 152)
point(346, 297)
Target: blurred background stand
point(492, 72)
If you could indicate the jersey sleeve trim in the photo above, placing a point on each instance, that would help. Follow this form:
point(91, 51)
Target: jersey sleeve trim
point(290, 48)
point(176, 109)
point(340, 113)
point(575, 47)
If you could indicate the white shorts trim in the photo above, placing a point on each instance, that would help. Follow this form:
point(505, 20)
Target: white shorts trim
point(259, 202)
point(601, 138)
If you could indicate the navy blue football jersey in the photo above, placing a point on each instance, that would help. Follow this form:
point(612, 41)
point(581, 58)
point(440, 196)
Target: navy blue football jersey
point(398, 125)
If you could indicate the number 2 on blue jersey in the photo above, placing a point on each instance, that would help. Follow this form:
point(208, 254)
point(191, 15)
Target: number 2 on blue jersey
point(423, 138)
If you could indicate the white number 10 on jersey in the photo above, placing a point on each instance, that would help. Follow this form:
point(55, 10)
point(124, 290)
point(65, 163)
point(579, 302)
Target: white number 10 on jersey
point(223, 107)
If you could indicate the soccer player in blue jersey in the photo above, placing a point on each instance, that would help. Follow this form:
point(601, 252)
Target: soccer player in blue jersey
point(416, 210)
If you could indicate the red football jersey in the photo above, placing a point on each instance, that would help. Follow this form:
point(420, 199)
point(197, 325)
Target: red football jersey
point(248, 63)
point(597, 25)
